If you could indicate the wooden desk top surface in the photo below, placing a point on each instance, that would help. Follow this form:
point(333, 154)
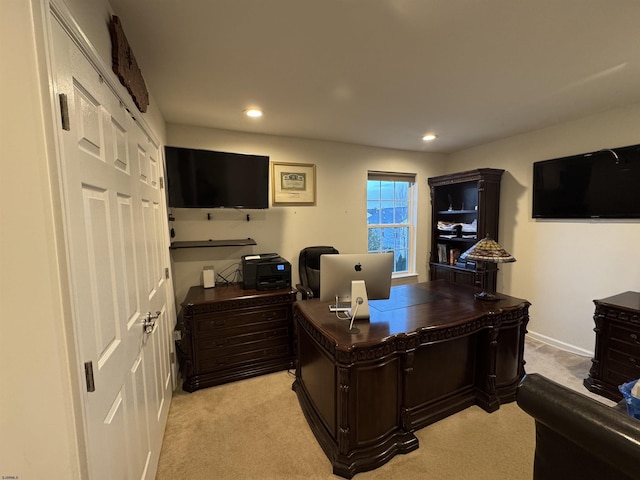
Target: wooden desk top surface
point(410, 310)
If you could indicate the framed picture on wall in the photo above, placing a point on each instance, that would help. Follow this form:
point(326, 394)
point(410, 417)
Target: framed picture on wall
point(293, 183)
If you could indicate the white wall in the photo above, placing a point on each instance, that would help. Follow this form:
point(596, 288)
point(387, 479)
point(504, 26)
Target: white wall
point(338, 218)
point(562, 266)
point(37, 421)
point(41, 433)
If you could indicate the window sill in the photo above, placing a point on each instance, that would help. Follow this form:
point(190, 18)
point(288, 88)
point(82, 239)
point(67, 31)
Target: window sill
point(404, 278)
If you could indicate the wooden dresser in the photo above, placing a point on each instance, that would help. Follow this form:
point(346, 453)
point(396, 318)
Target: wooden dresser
point(228, 334)
point(617, 352)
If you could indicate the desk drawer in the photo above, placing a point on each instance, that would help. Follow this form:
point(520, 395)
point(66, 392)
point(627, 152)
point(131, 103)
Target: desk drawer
point(219, 323)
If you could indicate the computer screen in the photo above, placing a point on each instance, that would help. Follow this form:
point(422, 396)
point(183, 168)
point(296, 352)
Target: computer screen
point(339, 270)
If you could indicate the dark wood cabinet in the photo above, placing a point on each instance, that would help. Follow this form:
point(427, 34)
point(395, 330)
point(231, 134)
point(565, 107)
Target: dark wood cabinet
point(464, 209)
point(228, 333)
point(616, 358)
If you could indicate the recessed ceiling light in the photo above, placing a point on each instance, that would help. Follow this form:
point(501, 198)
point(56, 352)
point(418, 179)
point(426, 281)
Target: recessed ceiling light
point(429, 137)
point(253, 113)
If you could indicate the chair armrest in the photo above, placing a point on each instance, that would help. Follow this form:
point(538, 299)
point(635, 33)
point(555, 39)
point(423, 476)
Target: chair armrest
point(602, 432)
point(306, 292)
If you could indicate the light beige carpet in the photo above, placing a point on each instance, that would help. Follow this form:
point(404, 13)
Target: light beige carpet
point(254, 429)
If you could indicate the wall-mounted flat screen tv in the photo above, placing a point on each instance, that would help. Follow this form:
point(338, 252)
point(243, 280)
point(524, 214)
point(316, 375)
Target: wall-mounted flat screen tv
point(602, 184)
point(210, 179)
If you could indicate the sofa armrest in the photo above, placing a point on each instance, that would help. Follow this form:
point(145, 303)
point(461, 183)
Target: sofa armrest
point(577, 436)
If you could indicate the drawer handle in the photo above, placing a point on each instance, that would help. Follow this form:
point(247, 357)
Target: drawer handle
point(218, 323)
point(221, 342)
point(634, 337)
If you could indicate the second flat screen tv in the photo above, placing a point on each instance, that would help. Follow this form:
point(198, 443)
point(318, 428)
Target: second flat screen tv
point(602, 184)
point(210, 179)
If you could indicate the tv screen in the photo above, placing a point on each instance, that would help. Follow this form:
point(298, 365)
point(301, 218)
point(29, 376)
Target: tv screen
point(209, 179)
point(602, 184)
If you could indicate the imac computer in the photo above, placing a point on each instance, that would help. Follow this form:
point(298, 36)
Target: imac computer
point(355, 278)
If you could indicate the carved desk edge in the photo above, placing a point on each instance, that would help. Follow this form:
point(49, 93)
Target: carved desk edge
point(405, 342)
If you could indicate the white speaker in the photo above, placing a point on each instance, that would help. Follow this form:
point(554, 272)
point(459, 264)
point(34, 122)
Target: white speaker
point(208, 277)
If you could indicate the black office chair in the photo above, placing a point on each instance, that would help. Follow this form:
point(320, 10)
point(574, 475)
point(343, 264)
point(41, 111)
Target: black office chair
point(309, 270)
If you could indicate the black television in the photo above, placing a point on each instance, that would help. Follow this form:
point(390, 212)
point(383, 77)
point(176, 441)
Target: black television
point(602, 184)
point(209, 179)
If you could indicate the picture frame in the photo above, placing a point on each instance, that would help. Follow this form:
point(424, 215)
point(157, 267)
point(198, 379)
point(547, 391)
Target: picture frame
point(293, 183)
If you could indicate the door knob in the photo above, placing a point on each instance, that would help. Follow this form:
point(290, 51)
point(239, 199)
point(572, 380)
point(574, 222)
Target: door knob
point(149, 322)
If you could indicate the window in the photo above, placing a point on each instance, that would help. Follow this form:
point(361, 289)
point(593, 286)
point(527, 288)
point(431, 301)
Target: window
point(391, 217)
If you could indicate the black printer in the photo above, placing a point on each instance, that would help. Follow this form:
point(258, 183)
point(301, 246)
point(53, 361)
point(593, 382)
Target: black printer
point(265, 271)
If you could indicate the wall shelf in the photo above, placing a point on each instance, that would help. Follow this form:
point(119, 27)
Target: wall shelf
point(213, 243)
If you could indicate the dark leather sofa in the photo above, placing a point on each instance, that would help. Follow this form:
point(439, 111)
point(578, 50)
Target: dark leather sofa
point(578, 437)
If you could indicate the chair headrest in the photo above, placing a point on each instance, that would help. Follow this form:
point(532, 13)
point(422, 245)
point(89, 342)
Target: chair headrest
point(311, 255)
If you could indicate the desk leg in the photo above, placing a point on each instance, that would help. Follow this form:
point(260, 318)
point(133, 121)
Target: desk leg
point(405, 417)
point(487, 396)
point(344, 434)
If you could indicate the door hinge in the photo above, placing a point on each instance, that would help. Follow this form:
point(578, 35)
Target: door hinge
point(161, 182)
point(88, 373)
point(64, 111)
point(166, 273)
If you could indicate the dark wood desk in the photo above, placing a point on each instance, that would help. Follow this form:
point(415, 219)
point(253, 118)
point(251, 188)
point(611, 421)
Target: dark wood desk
point(429, 351)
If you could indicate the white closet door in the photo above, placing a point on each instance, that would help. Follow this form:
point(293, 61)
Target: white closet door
point(115, 223)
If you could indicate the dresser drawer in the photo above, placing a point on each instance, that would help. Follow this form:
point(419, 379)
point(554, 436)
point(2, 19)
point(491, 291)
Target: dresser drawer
point(209, 363)
point(223, 334)
point(623, 365)
point(625, 347)
point(224, 344)
point(623, 334)
point(615, 378)
point(219, 323)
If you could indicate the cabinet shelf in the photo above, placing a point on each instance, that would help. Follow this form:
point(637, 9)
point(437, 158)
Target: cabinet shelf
point(456, 212)
point(480, 189)
point(451, 267)
point(457, 239)
point(213, 243)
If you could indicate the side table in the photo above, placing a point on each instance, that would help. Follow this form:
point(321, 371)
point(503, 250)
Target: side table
point(617, 352)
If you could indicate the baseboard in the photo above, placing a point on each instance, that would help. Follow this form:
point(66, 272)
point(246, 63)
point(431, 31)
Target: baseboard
point(561, 345)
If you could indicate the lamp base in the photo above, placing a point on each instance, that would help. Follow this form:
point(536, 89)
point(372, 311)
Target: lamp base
point(486, 296)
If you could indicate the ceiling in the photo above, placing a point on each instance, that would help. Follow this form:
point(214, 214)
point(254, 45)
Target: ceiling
point(386, 72)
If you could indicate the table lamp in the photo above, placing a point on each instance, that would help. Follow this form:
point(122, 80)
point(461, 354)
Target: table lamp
point(487, 250)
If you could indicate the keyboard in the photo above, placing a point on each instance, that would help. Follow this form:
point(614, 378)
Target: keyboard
point(340, 307)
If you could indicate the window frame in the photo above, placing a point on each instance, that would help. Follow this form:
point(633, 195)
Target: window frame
point(412, 196)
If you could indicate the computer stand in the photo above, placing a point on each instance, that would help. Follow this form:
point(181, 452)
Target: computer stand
point(359, 303)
